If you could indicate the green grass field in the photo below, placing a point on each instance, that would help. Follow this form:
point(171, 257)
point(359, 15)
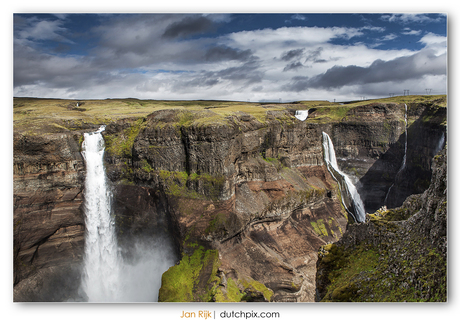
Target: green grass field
point(35, 116)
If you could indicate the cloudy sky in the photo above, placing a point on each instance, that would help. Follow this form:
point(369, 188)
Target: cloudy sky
point(229, 56)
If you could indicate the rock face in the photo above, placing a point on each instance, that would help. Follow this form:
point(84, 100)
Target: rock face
point(48, 219)
point(370, 147)
point(389, 258)
point(248, 202)
point(251, 207)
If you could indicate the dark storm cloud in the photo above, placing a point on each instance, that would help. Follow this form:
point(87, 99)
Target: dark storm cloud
point(296, 53)
point(247, 73)
point(202, 81)
point(242, 75)
point(297, 84)
point(32, 67)
point(397, 70)
point(313, 56)
point(293, 66)
point(224, 53)
point(188, 26)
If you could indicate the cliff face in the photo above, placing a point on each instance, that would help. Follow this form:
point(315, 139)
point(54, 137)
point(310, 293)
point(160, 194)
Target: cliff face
point(397, 255)
point(255, 192)
point(247, 200)
point(370, 147)
point(48, 219)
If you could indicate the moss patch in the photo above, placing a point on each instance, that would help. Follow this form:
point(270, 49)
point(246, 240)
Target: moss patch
point(193, 279)
point(231, 294)
point(345, 267)
point(252, 286)
point(243, 290)
point(319, 227)
point(121, 144)
point(399, 268)
point(180, 184)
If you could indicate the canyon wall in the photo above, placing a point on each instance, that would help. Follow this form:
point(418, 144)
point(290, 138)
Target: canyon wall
point(248, 202)
point(397, 255)
point(48, 222)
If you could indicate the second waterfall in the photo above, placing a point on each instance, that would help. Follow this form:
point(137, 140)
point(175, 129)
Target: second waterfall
point(350, 196)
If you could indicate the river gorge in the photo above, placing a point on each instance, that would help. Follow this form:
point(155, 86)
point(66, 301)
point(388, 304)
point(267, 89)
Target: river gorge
point(236, 206)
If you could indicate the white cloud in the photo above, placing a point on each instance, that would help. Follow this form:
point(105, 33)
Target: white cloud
point(377, 29)
point(435, 42)
point(389, 37)
point(407, 18)
point(290, 36)
point(408, 31)
point(432, 39)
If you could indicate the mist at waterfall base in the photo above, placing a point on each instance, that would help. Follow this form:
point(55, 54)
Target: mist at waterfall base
point(351, 199)
point(110, 273)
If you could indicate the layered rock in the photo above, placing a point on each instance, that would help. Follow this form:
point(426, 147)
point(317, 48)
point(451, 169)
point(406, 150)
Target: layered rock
point(48, 220)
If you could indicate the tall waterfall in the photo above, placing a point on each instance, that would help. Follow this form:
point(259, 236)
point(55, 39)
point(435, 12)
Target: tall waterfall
point(107, 276)
point(351, 199)
point(101, 276)
point(403, 165)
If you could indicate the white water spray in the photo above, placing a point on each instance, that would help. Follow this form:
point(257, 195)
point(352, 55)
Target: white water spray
point(101, 277)
point(403, 165)
point(347, 189)
point(301, 114)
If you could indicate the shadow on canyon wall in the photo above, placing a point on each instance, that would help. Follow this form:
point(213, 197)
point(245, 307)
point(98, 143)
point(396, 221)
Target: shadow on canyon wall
point(426, 136)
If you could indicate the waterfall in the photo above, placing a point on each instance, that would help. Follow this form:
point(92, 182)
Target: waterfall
point(403, 165)
point(101, 274)
point(107, 276)
point(350, 196)
point(440, 144)
point(301, 114)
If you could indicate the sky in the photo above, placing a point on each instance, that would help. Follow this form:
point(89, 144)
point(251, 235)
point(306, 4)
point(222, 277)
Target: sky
point(244, 57)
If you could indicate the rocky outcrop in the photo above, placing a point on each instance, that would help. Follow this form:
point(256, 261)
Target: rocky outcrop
point(397, 255)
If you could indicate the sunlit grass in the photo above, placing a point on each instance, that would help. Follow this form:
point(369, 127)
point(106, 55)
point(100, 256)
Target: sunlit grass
point(335, 112)
point(34, 115)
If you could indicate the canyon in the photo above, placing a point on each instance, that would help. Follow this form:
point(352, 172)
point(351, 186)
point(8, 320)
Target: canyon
point(242, 192)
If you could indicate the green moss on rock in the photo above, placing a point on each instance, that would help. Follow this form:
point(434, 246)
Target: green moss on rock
point(121, 144)
point(253, 288)
point(183, 185)
point(230, 294)
point(193, 279)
